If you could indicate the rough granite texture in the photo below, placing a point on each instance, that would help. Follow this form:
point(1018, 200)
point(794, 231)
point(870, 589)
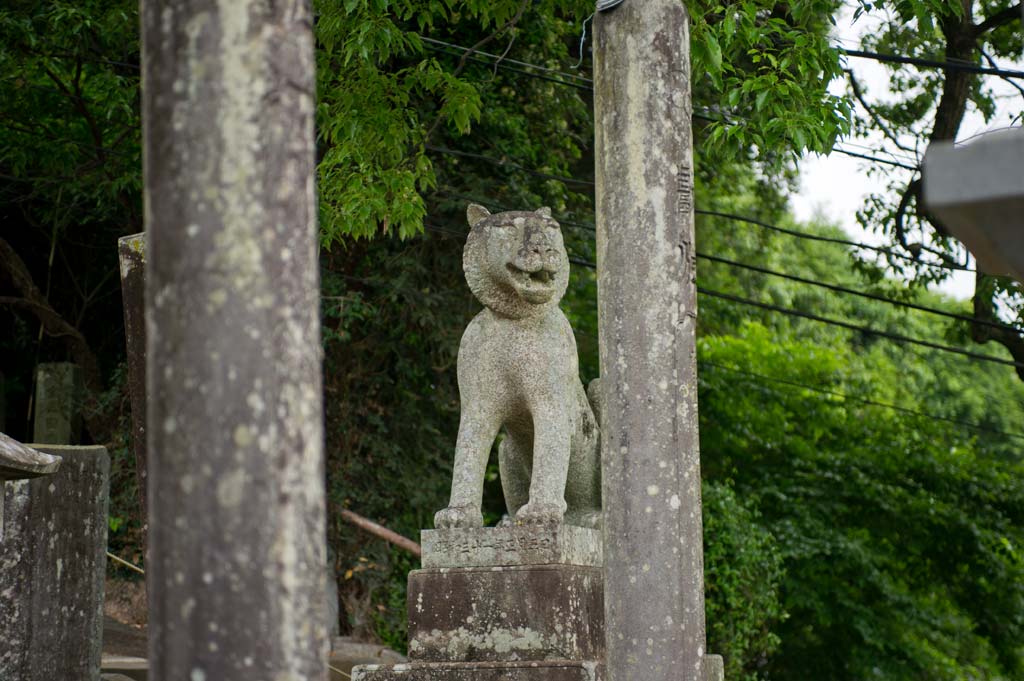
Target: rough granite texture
point(544, 612)
point(234, 425)
point(647, 312)
point(518, 368)
point(52, 569)
point(482, 671)
point(506, 546)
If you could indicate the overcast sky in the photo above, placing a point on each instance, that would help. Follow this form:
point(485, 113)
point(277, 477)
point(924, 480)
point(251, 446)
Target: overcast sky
point(835, 186)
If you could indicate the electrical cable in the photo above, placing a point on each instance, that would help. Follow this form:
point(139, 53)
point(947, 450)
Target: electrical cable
point(868, 330)
point(829, 239)
point(863, 400)
point(934, 63)
point(863, 294)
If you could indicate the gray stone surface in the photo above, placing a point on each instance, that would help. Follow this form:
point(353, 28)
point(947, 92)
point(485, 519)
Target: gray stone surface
point(20, 462)
point(977, 191)
point(714, 668)
point(52, 565)
point(131, 251)
point(483, 671)
point(515, 545)
point(647, 312)
point(518, 369)
point(506, 614)
point(234, 424)
point(57, 405)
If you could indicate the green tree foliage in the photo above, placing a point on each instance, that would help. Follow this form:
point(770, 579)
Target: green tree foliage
point(844, 539)
point(931, 109)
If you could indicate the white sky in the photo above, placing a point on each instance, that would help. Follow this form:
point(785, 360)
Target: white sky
point(835, 186)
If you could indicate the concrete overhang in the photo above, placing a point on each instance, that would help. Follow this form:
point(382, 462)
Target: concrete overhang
point(977, 192)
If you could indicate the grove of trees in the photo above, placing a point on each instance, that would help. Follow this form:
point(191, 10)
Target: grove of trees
point(863, 495)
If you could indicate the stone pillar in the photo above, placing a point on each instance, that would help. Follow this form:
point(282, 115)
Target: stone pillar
point(504, 604)
point(131, 251)
point(58, 400)
point(234, 425)
point(52, 569)
point(647, 311)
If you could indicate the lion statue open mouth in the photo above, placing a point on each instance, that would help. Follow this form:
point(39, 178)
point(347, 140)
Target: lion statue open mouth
point(519, 370)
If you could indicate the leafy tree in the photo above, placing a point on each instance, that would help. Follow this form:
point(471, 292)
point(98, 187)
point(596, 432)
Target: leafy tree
point(931, 110)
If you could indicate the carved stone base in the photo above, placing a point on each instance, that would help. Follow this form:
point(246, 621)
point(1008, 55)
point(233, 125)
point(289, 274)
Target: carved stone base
point(539, 612)
point(551, 670)
point(505, 546)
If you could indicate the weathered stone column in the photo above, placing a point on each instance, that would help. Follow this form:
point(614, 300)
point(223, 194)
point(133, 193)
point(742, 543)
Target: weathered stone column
point(235, 432)
point(654, 589)
point(53, 542)
point(131, 252)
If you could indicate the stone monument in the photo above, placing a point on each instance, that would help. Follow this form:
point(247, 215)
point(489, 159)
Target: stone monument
point(58, 401)
point(523, 601)
point(53, 540)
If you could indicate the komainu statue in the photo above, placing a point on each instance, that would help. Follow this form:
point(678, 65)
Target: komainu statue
point(518, 370)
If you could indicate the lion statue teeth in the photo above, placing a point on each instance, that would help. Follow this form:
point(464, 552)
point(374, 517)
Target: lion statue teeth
point(519, 370)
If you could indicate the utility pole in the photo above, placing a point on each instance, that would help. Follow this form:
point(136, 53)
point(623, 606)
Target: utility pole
point(234, 426)
point(647, 309)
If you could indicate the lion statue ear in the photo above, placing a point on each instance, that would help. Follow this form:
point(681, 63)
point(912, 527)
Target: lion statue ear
point(544, 212)
point(475, 213)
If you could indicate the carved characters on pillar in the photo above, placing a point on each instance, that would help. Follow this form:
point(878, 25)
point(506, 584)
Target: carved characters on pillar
point(518, 370)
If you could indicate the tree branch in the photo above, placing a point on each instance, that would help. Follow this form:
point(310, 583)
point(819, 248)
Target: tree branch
point(998, 19)
point(509, 25)
point(54, 325)
point(859, 94)
point(984, 310)
point(384, 533)
point(993, 64)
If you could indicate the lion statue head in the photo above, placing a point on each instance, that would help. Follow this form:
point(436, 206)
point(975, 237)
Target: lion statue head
point(515, 262)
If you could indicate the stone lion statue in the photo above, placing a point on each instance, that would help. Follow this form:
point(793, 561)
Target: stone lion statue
point(518, 370)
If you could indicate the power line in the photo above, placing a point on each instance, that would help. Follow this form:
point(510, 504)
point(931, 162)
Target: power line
point(818, 389)
point(792, 277)
point(828, 239)
point(871, 331)
point(876, 159)
point(580, 82)
point(462, 48)
point(863, 294)
point(520, 166)
point(510, 164)
point(934, 63)
point(862, 400)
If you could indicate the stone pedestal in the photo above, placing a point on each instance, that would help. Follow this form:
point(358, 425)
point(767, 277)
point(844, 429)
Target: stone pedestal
point(514, 603)
point(52, 564)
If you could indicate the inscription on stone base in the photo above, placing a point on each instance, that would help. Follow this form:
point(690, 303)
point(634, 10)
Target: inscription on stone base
point(511, 546)
point(552, 670)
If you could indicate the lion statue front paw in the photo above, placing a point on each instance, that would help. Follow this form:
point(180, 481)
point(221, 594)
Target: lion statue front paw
point(458, 516)
point(537, 513)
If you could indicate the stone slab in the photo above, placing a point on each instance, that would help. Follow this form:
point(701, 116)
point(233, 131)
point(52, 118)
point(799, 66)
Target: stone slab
point(977, 191)
point(18, 462)
point(509, 546)
point(552, 612)
point(52, 564)
point(58, 404)
point(552, 670)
